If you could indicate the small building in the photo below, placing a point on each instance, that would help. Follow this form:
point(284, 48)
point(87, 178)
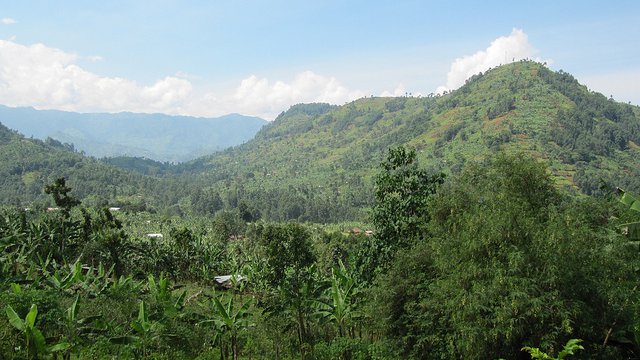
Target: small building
point(112, 209)
point(228, 281)
point(154, 235)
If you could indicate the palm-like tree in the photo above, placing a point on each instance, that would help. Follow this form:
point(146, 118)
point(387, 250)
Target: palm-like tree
point(339, 307)
point(633, 228)
point(230, 322)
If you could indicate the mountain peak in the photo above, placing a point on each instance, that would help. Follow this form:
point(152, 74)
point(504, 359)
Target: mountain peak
point(520, 107)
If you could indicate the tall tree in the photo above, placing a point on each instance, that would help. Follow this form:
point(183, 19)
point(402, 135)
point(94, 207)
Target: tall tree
point(292, 273)
point(61, 197)
point(507, 262)
point(402, 193)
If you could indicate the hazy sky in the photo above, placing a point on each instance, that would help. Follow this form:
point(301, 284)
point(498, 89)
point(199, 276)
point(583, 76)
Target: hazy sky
point(209, 58)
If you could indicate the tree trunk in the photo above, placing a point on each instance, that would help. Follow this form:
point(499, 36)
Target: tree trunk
point(301, 334)
point(234, 347)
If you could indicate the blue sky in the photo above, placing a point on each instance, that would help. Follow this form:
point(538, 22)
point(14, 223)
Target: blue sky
point(208, 58)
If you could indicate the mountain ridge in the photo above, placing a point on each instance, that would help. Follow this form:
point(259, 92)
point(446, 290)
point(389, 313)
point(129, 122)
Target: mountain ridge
point(159, 137)
point(332, 152)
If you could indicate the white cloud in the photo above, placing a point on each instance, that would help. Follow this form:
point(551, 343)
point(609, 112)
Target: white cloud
point(399, 91)
point(45, 77)
point(269, 98)
point(49, 78)
point(502, 50)
point(7, 21)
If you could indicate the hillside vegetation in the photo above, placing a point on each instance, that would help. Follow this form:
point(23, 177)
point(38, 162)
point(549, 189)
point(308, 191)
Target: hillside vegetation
point(495, 232)
point(26, 165)
point(493, 262)
point(314, 161)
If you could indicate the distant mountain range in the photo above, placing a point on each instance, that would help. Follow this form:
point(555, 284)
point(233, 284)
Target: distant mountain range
point(154, 136)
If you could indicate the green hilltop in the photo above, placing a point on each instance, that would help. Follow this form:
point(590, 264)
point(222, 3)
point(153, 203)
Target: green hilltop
point(317, 161)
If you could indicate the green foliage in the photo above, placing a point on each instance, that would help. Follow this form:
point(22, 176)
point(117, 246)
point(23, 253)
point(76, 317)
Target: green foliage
point(35, 343)
point(632, 229)
point(161, 292)
point(33, 339)
point(147, 333)
point(307, 161)
point(570, 348)
point(313, 162)
point(477, 265)
point(402, 197)
point(230, 322)
point(501, 249)
point(60, 193)
point(287, 246)
point(340, 306)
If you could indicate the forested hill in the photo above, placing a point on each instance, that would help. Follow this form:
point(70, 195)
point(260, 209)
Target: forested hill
point(27, 165)
point(154, 136)
point(317, 161)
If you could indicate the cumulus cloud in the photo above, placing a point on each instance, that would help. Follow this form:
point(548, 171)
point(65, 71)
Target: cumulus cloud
point(45, 77)
point(266, 97)
point(7, 21)
point(400, 90)
point(502, 50)
point(49, 78)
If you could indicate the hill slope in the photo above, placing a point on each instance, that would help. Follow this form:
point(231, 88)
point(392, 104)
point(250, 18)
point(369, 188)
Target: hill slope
point(27, 165)
point(155, 136)
point(316, 161)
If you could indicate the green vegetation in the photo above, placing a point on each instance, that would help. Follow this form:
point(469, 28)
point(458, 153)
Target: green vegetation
point(569, 349)
point(494, 233)
point(313, 163)
point(487, 263)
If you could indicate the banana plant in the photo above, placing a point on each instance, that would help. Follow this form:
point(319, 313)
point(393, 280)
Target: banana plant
point(78, 329)
point(124, 285)
point(632, 229)
point(230, 323)
point(98, 279)
point(162, 292)
point(66, 281)
point(35, 343)
point(145, 332)
point(339, 306)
